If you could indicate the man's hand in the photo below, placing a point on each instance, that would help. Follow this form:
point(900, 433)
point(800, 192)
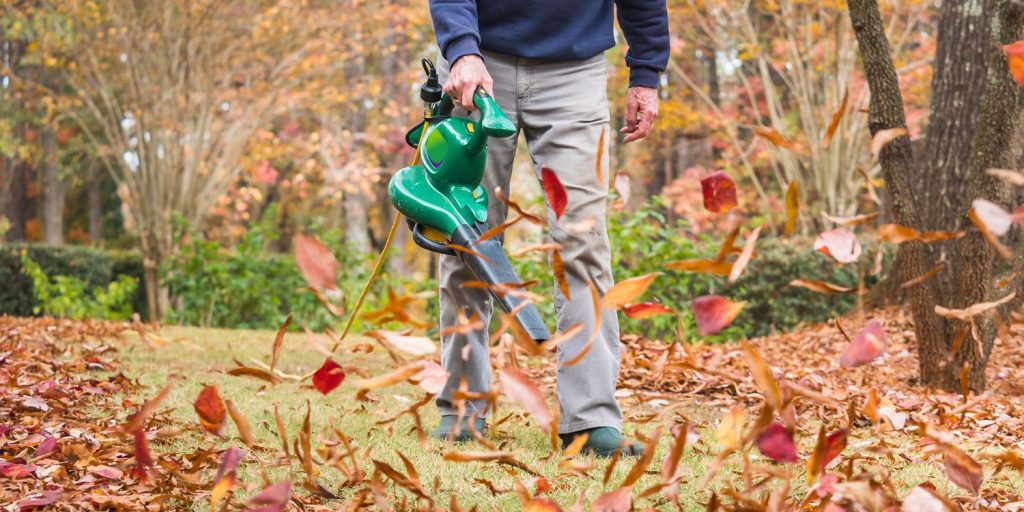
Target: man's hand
point(641, 109)
point(466, 75)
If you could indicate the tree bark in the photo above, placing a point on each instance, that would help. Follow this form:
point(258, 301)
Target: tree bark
point(53, 189)
point(992, 147)
point(94, 187)
point(896, 159)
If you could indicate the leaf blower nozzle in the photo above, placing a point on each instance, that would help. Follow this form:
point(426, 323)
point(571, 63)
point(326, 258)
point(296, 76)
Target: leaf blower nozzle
point(444, 201)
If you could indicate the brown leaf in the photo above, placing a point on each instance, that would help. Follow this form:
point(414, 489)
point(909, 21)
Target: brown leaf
point(730, 429)
point(413, 345)
point(278, 341)
point(745, 256)
point(593, 332)
point(961, 469)
point(317, 262)
point(210, 408)
point(777, 139)
point(965, 315)
point(620, 500)
point(1015, 178)
point(991, 237)
point(884, 137)
point(241, 423)
point(646, 310)
point(924, 277)
point(819, 286)
point(640, 466)
point(558, 267)
point(558, 199)
point(852, 221)
point(623, 189)
point(900, 234)
point(282, 433)
point(792, 206)
point(471, 456)
point(521, 390)
point(837, 117)
point(138, 420)
point(763, 377)
point(700, 266)
point(388, 379)
point(826, 449)
point(627, 291)
point(600, 156)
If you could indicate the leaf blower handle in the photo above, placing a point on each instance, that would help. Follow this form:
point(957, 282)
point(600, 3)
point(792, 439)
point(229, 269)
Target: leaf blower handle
point(492, 119)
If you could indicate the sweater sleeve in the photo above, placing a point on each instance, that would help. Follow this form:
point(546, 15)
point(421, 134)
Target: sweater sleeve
point(645, 25)
point(456, 28)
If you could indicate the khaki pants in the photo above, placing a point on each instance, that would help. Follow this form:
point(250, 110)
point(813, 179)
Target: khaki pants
point(562, 109)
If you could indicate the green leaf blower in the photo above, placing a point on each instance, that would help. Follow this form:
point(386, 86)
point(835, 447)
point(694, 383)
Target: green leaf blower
point(442, 197)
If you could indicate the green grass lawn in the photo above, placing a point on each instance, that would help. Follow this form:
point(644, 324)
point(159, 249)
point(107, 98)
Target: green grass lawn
point(194, 357)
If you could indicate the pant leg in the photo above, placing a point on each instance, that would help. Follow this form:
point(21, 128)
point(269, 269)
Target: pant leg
point(563, 116)
point(476, 366)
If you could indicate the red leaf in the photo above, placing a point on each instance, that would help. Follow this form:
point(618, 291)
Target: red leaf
point(273, 498)
point(1015, 58)
point(143, 459)
point(834, 445)
point(840, 244)
point(620, 500)
point(45, 498)
point(47, 446)
point(554, 190)
point(719, 193)
point(328, 377)
point(962, 469)
point(646, 310)
point(869, 344)
point(14, 470)
point(776, 443)
point(224, 481)
point(317, 263)
point(210, 409)
point(521, 390)
point(714, 313)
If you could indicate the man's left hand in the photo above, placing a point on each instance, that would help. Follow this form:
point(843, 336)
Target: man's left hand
point(641, 109)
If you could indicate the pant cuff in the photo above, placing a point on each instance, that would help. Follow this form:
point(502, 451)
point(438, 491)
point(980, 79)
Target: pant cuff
point(570, 428)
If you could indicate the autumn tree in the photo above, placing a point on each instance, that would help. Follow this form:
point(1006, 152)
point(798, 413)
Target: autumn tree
point(974, 127)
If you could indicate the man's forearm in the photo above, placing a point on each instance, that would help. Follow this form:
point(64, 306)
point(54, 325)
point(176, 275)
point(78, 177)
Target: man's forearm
point(645, 25)
point(456, 28)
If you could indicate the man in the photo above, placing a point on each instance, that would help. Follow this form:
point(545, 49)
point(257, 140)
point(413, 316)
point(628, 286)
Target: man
point(542, 60)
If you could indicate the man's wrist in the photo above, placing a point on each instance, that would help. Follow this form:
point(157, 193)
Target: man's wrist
point(643, 77)
point(461, 47)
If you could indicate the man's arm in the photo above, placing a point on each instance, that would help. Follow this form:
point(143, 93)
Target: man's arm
point(457, 30)
point(645, 25)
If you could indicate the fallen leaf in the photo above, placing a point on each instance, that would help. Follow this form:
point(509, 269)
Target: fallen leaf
point(714, 313)
point(210, 408)
point(626, 291)
point(558, 199)
point(841, 244)
point(869, 344)
point(143, 459)
point(884, 137)
point(316, 262)
point(521, 390)
point(719, 193)
point(328, 377)
point(776, 443)
point(924, 277)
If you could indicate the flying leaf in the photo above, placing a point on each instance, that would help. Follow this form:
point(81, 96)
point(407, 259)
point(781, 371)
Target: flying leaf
point(273, 498)
point(730, 428)
point(521, 390)
point(792, 206)
point(640, 466)
point(328, 377)
point(926, 499)
point(714, 313)
point(991, 237)
point(388, 379)
point(317, 262)
point(541, 505)
point(558, 199)
point(620, 500)
point(719, 193)
point(558, 267)
point(473, 456)
point(413, 345)
point(211, 411)
point(224, 481)
point(241, 423)
point(143, 459)
point(840, 244)
point(745, 256)
point(701, 266)
point(827, 448)
point(776, 443)
point(626, 291)
point(646, 310)
point(622, 188)
point(869, 344)
point(1015, 178)
point(837, 117)
point(819, 286)
point(966, 314)
point(278, 341)
point(962, 469)
point(763, 377)
point(138, 420)
point(777, 139)
point(1015, 60)
point(899, 234)
point(924, 277)
point(852, 221)
point(884, 137)
point(432, 377)
point(994, 217)
point(600, 156)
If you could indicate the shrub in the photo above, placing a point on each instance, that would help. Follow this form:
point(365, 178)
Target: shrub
point(93, 267)
point(68, 297)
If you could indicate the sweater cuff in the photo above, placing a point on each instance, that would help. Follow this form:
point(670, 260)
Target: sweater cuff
point(643, 77)
point(465, 45)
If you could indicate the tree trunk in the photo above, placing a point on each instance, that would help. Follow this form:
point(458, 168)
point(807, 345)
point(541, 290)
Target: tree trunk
point(53, 189)
point(357, 229)
point(897, 162)
point(992, 146)
point(94, 187)
point(18, 205)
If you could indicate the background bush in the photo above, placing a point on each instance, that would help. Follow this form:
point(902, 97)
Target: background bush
point(94, 267)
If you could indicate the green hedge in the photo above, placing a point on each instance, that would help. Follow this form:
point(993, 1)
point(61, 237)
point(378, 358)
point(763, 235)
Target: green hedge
point(93, 266)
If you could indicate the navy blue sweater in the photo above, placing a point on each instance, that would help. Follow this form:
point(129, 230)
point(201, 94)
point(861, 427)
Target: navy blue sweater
point(557, 30)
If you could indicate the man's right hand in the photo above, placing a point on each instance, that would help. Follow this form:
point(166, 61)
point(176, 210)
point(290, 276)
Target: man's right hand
point(466, 75)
